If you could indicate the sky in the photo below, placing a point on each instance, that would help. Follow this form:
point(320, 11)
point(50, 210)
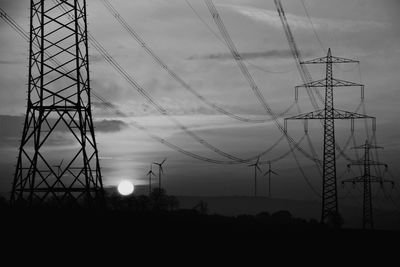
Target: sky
point(365, 30)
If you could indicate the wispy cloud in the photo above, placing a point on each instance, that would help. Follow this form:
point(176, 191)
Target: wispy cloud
point(250, 55)
point(298, 22)
point(11, 62)
point(110, 125)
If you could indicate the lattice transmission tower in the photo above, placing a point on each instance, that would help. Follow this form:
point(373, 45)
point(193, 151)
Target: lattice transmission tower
point(328, 115)
point(367, 179)
point(58, 111)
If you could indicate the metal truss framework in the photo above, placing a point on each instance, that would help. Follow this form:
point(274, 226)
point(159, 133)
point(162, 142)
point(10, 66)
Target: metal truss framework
point(367, 179)
point(58, 110)
point(329, 114)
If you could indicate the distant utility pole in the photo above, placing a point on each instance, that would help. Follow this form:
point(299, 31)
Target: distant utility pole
point(269, 172)
point(160, 171)
point(329, 114)
point(367, 179)
point(256, 168)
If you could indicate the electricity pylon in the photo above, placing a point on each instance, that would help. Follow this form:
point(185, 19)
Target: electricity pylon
point(367, 179)
point(256, 168)
point(160, 171)
point(58, 110)
point(150, 173)
point(269, 172)
point(328, 115)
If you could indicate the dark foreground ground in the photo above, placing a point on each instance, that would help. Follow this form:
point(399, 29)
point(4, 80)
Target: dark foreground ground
point(113, 227)
point(143, 226)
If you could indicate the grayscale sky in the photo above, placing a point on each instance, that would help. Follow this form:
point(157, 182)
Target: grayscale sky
point(366, 30)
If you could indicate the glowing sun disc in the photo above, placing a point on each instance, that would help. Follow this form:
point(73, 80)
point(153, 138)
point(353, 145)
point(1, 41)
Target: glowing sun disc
point(125, 188)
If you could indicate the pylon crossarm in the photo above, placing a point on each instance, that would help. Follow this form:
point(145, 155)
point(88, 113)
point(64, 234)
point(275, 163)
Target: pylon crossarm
point(367, 146)
point(356, 179)
point(372, 179)
point(345, 115)
point(343, 83)
point(319, 114)
point(369, 162)
point(377, 179)
point(335, 83)
point(324, 60)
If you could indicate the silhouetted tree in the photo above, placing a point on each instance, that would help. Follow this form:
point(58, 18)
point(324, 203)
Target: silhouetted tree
point(335, 220)
point(201, 207)
point(159, 199)
point(143, 203)
point(263, 217)
point(282, 217)
point(173, 203)
point(3, 203)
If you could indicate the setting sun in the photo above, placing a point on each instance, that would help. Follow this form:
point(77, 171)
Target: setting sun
point(125, 188)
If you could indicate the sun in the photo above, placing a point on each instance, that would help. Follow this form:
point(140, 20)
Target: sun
point(125, 188)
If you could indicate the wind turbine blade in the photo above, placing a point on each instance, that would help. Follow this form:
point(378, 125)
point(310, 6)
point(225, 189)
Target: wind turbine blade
point(258, 168)
point(163, 161)
point(274, 173)
point(61, 162)
point(258, 160)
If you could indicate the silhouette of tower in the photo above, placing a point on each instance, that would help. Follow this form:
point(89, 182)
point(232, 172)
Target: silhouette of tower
point(269, 172)
point(367, 179)
point(150, 173)
point(58, 110)
point(160, 171)
point(328, 115)
point(256, 166)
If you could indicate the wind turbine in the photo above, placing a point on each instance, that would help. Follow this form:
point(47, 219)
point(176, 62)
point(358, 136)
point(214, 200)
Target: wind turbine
point(59, 168)
point(269, 172)
point(150, 173)
point(160, 170)
point(256, 167)
point(58, 171)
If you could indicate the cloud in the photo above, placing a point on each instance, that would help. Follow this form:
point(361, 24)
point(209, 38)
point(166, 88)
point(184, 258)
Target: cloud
point(11, 130)
point(108, 126)
point(7, 62)
point(299, 22)
point(251, 55)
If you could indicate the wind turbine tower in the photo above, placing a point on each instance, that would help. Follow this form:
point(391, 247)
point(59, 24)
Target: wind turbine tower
point(269, 172)
point(150, 173)
point(256, 166)
point(160, 171)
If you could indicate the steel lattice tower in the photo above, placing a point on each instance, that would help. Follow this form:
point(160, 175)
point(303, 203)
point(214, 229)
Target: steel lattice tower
point(58, 110)
point(328, 115)
point(367, 179)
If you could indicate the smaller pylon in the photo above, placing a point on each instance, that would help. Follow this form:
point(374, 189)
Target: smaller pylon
point(150, 173)
point(256, 168)
point(367, 179)
point(160, 171)
point(269, 172)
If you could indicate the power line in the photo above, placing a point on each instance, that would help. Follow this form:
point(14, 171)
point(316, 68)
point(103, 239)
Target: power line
point(165, 113)
point(248, 77)
point(224, 44)
point(110, 106)
point(110, 8)
point(312, 25)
